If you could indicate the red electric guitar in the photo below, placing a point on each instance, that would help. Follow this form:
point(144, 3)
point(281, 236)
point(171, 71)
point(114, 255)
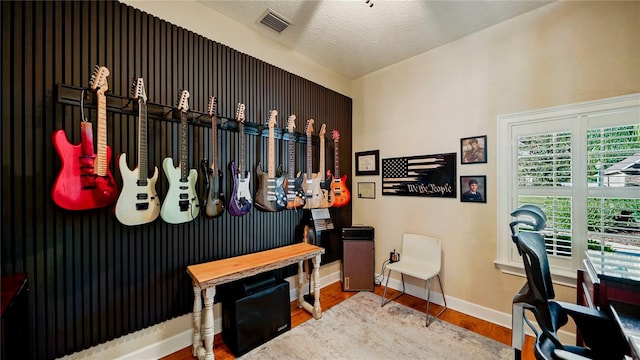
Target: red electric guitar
point(85, 181)
point(339, 184)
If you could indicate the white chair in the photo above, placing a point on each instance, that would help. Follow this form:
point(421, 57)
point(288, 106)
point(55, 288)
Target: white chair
point(421, 258)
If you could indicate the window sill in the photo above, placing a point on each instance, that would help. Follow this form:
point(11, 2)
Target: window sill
point(560, 277)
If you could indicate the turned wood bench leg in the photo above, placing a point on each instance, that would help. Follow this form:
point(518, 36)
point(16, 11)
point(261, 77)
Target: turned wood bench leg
point(317, 310)
point(197, 318)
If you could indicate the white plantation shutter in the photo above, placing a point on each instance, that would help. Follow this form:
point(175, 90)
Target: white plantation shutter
point(581, 165)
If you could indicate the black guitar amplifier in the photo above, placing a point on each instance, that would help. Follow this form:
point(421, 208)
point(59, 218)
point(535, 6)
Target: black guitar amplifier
point(358, 233)
point(358, 257)
point(255, 311)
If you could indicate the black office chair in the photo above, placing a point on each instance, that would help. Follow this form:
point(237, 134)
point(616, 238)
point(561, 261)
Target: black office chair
point(600, 333)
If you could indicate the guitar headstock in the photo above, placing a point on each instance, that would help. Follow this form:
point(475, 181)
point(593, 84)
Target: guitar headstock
point(137, 89)
point(271, 123)
point(98, 82)
point(291, 123)
point(309, 130)
point(240, 113)
point(183, 103)
point(212, 106)
point(335, 135)
point(323, 130)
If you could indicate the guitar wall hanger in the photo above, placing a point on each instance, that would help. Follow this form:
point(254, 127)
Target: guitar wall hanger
point(72, 95)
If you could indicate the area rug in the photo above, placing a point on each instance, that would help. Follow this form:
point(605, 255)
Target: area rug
point(359, 328)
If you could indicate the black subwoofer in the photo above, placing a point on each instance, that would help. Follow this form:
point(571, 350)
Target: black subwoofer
point(255, 312)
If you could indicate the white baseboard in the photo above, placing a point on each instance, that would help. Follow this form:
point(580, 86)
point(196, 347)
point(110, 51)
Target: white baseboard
point(176, 334)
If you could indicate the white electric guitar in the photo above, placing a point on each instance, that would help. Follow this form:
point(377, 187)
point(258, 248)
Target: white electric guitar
point(138, 202)
point(181, 204)
point(311, 184)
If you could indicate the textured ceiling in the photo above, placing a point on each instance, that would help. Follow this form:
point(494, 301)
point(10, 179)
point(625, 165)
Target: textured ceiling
point(353, 39)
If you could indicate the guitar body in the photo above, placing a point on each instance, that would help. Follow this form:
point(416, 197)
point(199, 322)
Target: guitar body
point(77, 187)
point(312, 191)
point(181, 203)
point(328, 195)
point(271, 195)
point(240, 202)
point(342, 193)
point(138, 202)
point(213, 200)
point(295, 193)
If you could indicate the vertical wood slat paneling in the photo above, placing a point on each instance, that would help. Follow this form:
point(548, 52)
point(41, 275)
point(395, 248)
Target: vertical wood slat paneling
point(93, 279)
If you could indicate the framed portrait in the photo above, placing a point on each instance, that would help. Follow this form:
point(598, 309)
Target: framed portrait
point(366, 190)
point(367, 162)
point(473, 188)
point(473, 150)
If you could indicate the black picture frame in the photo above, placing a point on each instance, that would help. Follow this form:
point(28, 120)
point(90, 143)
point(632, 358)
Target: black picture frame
point(368, 163)
point(473, 150)
point(480, 195)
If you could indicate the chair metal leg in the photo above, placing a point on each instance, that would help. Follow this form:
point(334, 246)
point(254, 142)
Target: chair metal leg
point(385, 301)
point(428, 300)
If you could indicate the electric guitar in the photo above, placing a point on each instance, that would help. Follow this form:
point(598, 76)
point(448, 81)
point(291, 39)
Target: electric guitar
point(213, 200)
point(295, 193)
point(85, 181)
point(138, 202)
point(325, 184)
point(181, 204)
point(271, 195)
point(339, 184)
point(240, 203)
point(311, 184)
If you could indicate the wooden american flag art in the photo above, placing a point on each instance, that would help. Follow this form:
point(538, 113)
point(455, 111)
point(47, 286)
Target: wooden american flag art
point(424, 175)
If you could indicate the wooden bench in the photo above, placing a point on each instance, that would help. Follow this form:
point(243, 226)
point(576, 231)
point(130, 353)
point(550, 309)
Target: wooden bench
point(206, 276)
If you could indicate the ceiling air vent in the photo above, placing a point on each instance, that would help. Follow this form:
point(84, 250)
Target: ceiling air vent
point(274, 20)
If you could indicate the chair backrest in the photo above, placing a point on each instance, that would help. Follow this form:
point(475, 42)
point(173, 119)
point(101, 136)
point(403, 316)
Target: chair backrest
point(422, 248)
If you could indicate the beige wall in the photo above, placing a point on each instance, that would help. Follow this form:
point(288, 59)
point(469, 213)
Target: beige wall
point(562, 53)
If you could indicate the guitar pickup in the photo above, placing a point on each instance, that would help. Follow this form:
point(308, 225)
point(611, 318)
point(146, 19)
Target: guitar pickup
point(142, 182)
point(142, 206)
point(142, 196)
point(184, 196)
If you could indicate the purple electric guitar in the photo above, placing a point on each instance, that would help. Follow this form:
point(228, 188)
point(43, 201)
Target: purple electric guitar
point(240, 202)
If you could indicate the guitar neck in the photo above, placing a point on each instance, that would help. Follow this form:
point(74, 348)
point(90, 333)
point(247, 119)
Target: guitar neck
point(241, 162)
point(322, 169)
point(271, 151)
point(336, 160)
point(101, 159)
point(214, 143)
point(291, 157)
point(184, 147)
point(309, 155)
point(142, 139)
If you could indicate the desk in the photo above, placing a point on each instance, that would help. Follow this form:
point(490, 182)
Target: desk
point(628, 318)
point(608, 278)
point(206, 276)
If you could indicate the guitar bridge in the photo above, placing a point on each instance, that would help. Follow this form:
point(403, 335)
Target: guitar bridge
point(142, 206)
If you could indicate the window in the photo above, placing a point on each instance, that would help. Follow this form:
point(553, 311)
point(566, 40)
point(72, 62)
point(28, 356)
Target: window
point(580, 163)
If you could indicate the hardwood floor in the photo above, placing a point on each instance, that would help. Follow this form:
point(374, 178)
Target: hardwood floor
point(332, 295)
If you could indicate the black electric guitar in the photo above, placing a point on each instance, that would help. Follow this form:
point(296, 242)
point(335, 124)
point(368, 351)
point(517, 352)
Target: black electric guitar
point(240, 202)
point(271, 195)
point(213, 199)
point(293, 185)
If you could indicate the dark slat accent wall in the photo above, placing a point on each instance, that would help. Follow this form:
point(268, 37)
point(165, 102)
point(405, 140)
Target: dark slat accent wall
point(91, 278)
